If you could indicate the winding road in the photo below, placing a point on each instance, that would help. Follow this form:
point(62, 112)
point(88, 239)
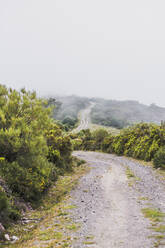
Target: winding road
point(109, 205)
point(84, 118)
point(106, 209)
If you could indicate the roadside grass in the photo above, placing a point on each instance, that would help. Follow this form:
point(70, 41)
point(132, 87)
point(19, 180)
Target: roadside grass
point(79, 161)
point(158, 244)
point(143, 198)
point(160, 229)
point(156, 217)
point(142, 162)
point(153, 214)
point(89, 237)
point(89, 242)
point(161, 172)
point(73, 227)
point(55, 227)
point(129, 173)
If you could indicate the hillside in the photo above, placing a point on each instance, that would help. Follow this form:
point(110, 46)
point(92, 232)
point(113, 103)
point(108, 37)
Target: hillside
point(108, 112)
point(67, 109)
point(69, 106)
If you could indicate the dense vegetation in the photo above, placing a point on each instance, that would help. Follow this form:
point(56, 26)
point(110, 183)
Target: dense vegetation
point(142, 141)
point(33, 150)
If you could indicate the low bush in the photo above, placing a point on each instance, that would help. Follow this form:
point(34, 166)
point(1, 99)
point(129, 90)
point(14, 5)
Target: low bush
point(8, 211)
point(87, 140)
point(59, 148)
point(159, 158)
point(140, 141)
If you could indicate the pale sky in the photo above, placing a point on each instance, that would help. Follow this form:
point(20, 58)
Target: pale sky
point(107, 48)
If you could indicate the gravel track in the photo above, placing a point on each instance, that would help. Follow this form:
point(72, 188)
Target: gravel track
point(109, 209)
point(85, 119)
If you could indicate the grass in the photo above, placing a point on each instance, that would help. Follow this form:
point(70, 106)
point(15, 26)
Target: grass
point(73, 227)
point(55, 227)
point(156, 216)
point(160, 229)
point(69, 207)
point(130, 175)
point(161, 172)
point(50, 234)
point(158, 237)
point(89, 242)
point(143, 198)
point(153, 214)
point(90, 237)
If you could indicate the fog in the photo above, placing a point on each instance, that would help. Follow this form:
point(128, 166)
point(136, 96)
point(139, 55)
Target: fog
point(107, 48)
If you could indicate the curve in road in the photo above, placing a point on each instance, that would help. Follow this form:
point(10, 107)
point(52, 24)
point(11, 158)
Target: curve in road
point(85, 119)
point(109, 205)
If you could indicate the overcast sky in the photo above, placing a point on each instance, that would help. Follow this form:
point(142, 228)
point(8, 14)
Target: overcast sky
point(107, 48)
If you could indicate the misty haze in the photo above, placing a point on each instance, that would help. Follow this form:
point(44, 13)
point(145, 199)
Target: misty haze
point(82, 124)
point(111, 49)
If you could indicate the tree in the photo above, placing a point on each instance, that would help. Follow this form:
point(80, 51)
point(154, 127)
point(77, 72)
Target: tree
point(24, 120)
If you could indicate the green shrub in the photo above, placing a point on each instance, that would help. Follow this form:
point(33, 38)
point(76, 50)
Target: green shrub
point(33, 147)
point(24, 120)
point(119, 144)
point(77, 143)
point(106, 145)
point(3, 201)
point(69, 123)
point(59, 148)
point(8, 211)
point(28, 182)
point(159, 158)
point(98, 136)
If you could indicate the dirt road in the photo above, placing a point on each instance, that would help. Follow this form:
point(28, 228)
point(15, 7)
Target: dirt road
point(109, 204)
point(84, 118)
point(118, 203)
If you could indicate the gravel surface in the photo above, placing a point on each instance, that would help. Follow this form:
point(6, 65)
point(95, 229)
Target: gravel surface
point(109, 207)
point(85, 119)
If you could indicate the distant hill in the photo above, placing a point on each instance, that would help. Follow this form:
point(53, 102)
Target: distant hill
point(109, 112)
point(67, 109)
point(106, 112)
